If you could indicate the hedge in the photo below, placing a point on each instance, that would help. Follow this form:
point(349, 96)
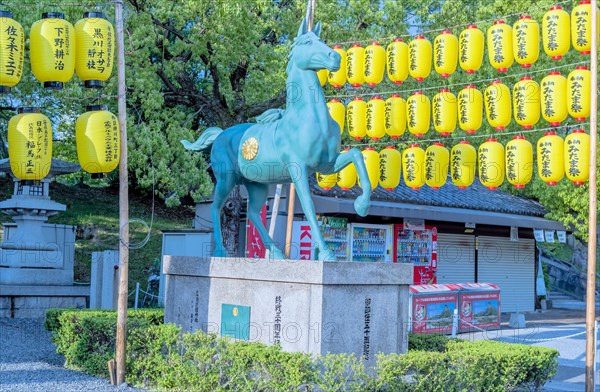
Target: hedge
point(159, 356)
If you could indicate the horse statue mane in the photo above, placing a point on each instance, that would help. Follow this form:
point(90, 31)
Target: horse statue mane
point(284, 146)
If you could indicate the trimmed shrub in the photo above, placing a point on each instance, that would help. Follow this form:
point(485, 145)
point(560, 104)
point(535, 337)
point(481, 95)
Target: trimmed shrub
point(428, 342)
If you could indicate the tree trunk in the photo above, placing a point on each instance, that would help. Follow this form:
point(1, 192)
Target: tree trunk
point(230, 219)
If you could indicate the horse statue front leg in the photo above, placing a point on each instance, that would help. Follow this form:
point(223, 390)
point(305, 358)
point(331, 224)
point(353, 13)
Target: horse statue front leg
point(362, 202)
point(303, 190)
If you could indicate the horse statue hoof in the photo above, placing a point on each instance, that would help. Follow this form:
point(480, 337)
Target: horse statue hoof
point(361, 206)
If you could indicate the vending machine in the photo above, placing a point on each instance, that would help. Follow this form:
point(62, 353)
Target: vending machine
point(417, 245)
point(371, 243)
point(335, 234)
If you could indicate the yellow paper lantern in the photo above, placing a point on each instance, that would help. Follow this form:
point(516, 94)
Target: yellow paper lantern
point(12, 42)
point(526, 102)
point(52, 50)
point(445, 53)
point(322, 76)
point(95, 49)
point(326, 181)
point(337, 111)
point(577, 156)
point(338, 78)
point(581, 27)
point(526, 41)
point(419, 58)
point(30, 144)
point(413, 167)
point(554, 98)
point(390, 161)
point(375, 118)
point(98, 141)
point(550, 157)
point(497, 105)
point(470, 109)
point(347, 176)
point(579, 90)
point(355, 66)
point(437, 162)
point(397, 61)
point(444, 109)
point(418, 111)
point(470, 47)
point(500, 46)
point(395, 116)
point(374, 64)
point(356, 117)
point(491, 164)
point(463, 161)
point(371, 158)
point(519, 162)
point(556, 32)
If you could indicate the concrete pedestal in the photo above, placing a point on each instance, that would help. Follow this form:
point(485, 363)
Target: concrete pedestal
point(307, 306)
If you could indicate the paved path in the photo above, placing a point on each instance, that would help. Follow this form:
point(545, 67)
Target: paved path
point(29, 363)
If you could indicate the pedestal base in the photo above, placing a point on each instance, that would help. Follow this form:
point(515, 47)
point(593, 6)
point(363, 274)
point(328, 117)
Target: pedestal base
point(18, 301)
point(308, 306)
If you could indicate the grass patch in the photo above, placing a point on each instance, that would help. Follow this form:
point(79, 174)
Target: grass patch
point(95, 211)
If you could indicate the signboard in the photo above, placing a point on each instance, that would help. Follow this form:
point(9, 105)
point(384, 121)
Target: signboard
point(562, 236)
point(481, 309)
point(414, 224)
point(255, 248)
point(549, 234)
point(333, 222)
point(235, 321)
point(433, 313)
point(302, 247)
point(539, 235)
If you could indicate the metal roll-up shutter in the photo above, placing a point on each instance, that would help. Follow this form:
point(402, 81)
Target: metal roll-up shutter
point(510, 265)
point(456, 258)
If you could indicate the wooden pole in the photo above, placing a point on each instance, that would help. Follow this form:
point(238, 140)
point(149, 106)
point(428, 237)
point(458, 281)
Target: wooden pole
point(310, 13)
point(590, 314)
point(123, 200)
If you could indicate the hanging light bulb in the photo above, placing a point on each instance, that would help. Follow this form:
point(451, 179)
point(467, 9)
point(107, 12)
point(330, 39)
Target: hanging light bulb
point(471, 42)
point(419, 58)
point(519, 162)
point(395, 116)
point(437, 162)
point(556, 32)
point(526, 41)
point(445, 52)
point(338, 78)
point(500, 46)
point(397, 61)
point(444, 109)
point(497, 105)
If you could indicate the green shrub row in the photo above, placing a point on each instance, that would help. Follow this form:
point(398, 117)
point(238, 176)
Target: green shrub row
point(159, 356)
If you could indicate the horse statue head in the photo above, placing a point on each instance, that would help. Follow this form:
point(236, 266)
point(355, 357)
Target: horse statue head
point(310, 53)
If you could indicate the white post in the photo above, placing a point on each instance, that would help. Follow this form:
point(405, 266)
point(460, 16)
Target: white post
point(454, 323)
point(137, 294)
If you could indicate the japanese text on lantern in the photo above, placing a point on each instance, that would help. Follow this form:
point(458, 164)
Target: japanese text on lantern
point(520, 99)
point(483, 164)
point(437, 110)
point(410, 166)
point(581, 28)
point(463, 47)
point(11, 36)
point(439, 50)
point(62, 47)
point(429, 161)
point(369, 62)
point(112, 140)
point(97, 57)
point(382, 171)
point(548, 92)
point(573, 150)
point(413, 56)
point(491, 96)
point(392, 61)
point(521, 40)
point(497, 45)
point(349, 62)
point(511, 163)
point(545, 159)
point(456, 169)
point(412, 113)
point(552, 32)
point(576, 93)
point(462, 104)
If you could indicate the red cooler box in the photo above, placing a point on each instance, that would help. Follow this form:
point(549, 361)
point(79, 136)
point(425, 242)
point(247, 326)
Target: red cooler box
point(432, 307)
point(479, 305)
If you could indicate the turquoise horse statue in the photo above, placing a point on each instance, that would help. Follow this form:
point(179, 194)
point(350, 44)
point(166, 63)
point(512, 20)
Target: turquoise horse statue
point(284, 146)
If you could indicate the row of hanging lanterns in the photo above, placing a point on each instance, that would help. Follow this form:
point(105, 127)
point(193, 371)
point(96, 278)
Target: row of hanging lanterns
point(554, 99)
point(556, 158)
point(506, 45)
point(58, 50)
point(30, 142)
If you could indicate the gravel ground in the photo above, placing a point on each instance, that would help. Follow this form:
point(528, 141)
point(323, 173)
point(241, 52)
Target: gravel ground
point(29, 362)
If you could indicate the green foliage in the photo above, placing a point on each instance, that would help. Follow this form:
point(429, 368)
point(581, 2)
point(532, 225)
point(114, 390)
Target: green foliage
point(160, 356)
point(427, 342)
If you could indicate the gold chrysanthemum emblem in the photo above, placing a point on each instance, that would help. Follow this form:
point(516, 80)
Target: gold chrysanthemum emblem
point(250, 148)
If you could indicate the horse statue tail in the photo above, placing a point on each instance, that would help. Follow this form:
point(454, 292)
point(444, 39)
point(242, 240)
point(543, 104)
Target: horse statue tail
point(205, 141)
